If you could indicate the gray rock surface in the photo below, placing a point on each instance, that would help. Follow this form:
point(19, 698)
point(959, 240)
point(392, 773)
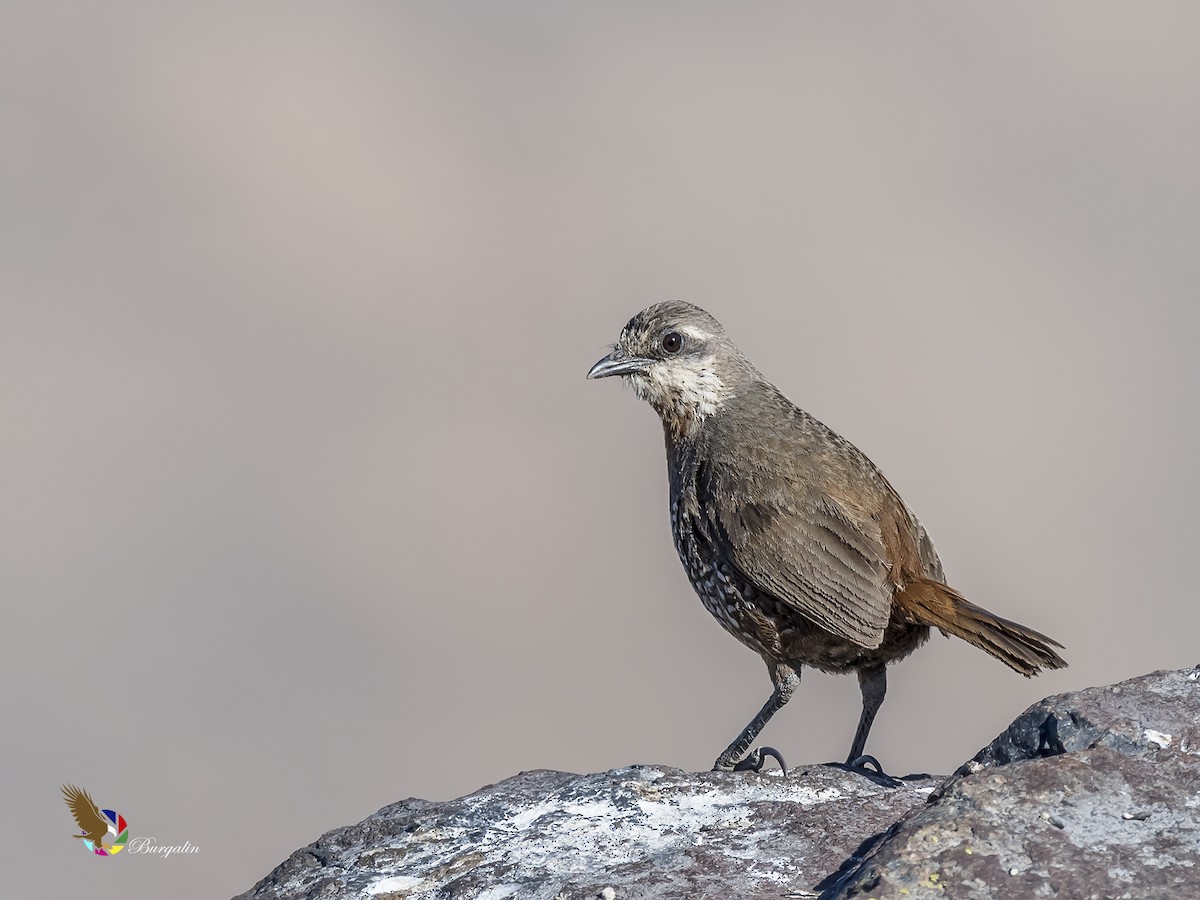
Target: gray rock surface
point(1089, 794)
point(641, 831)
point(1138, 717)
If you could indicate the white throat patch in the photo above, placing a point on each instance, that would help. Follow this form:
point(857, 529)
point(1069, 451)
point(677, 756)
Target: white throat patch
point(684, 394)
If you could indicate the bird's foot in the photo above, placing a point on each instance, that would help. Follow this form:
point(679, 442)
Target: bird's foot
point(869, 767)
point(753, 761)
point(868, 762)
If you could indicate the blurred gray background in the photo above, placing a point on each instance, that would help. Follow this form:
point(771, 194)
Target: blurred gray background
point(307, 507)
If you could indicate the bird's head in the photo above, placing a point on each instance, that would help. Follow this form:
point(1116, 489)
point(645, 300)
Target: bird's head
point(677, 358)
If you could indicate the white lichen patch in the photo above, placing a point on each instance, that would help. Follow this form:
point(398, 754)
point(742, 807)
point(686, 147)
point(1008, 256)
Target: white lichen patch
point(570, 829)
point(499, 892)
point(1157, 738)
point(575, 812)
point(395, 884)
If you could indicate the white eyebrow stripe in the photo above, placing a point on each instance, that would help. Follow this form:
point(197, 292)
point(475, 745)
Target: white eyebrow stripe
point(693, 332)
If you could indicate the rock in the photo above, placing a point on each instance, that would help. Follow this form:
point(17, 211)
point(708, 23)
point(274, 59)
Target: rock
point(1091, 824)
point(1136, 718)
point(1088, 794)
point(637, 832)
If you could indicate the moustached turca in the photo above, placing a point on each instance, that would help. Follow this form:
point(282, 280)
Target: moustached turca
point(791, 537)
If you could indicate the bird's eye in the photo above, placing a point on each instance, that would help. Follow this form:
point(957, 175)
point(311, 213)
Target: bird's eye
point(672, 341)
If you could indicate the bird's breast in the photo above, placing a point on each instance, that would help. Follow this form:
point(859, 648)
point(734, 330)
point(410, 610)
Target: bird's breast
point(747, 614)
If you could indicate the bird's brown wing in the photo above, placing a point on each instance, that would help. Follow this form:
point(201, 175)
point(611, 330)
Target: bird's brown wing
point(84, 809)
point(814, 555)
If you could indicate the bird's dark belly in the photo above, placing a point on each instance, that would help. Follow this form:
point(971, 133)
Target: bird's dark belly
point(773, 629)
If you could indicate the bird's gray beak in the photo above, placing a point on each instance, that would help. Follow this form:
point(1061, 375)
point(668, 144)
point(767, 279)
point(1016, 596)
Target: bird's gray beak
point(617, 363)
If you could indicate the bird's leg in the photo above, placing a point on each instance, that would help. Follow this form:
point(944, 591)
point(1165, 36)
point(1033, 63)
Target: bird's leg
point(873, 682)
point(786, 679)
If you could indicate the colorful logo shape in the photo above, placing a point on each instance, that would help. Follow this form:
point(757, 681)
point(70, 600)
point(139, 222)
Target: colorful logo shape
point(117, 828)
point(96, 824)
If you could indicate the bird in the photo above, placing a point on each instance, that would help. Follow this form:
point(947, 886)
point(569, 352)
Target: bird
point(792, 538)
point(86, 813)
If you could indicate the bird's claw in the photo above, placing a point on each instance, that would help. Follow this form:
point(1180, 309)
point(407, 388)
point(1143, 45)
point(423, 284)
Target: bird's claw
point(864, 761)
point(869, 766)
point(757, 758)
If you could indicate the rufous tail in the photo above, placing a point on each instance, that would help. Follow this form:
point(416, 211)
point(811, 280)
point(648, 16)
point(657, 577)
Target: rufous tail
point(940, 606)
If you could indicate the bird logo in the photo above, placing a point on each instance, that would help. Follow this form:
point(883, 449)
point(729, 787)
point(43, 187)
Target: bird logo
point(96, 823)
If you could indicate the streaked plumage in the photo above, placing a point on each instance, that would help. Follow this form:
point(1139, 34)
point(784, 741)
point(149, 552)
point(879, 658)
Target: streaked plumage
point(790, 535)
